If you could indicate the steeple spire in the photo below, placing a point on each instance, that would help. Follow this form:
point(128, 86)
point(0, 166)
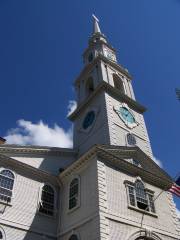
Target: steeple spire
point(96, 28)
point(97, 35)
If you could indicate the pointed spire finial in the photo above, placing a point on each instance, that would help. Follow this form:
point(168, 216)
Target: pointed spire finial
point(96, 28)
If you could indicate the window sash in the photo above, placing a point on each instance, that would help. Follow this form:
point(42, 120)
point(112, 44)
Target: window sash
point(6, 185)
point(46, 205)
point(73, 193)
point(134, 198)
point(151, 203)
point(131, 139)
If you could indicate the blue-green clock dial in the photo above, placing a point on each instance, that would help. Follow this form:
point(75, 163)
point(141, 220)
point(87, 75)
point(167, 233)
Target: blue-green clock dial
point(88, 120)
point(127, 115)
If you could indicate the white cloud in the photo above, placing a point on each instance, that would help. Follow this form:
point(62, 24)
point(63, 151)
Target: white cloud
point(158, 162)
point(71, 107)
point(28, 133)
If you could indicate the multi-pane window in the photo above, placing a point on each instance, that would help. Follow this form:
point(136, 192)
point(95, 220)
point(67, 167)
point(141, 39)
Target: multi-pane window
point(131, 139)
point(140, 197)
point(47, 200)
point(73, 237)
point(6, 185)
point(73, 193)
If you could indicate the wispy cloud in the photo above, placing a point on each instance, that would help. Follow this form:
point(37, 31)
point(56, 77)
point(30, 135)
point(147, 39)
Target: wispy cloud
point(71, 107)
point(157, 161)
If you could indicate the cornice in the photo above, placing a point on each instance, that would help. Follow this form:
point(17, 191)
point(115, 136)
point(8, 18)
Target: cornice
point(98, 59)
point(103, 86)
point(16, 165)
point(38, 150)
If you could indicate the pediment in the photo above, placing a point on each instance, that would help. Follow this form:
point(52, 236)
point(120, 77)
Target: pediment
point(121, 157)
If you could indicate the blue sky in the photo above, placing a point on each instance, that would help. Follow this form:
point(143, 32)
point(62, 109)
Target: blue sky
point(40, 55)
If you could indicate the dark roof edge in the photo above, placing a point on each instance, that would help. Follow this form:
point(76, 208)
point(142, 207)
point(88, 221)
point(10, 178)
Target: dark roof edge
point(105, 86)
point(14, 148)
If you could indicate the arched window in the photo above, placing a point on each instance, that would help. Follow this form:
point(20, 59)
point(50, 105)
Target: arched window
point(118, 83)
point(131, 139)
point(73, 237)
point(89, 88)
point(74, 193)
point(6, 185)
point(47, 200)
point(141, 196)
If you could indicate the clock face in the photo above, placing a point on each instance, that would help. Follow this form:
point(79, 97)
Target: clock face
point(109, 54)
point(127, 115)
point(88, 120)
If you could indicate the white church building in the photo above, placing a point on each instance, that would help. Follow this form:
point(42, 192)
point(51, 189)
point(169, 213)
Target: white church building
point(107, 187)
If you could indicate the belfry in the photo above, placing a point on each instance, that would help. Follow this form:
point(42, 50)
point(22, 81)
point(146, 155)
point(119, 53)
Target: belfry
point(107, 187)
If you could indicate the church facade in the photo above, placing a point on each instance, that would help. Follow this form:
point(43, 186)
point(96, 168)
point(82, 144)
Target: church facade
point(107, 187)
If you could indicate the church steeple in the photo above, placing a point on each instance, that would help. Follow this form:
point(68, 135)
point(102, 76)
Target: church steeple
point(107, 111)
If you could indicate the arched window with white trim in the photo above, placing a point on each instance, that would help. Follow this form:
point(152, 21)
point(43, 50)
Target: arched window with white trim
point(6, 185)
point(47, 200)
point(73, 237)
point(74, 193)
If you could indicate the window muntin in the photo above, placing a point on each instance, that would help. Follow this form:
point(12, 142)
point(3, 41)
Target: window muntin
point(47, 200)
point(6, 185)
point(73, 193)
point(73, 237)
point(140, 197)
point(131, 139)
